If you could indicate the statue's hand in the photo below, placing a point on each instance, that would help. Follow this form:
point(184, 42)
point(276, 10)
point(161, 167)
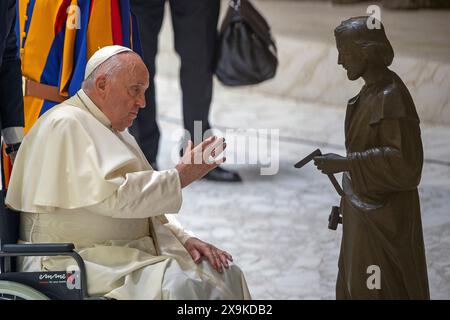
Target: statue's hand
point(331, 163)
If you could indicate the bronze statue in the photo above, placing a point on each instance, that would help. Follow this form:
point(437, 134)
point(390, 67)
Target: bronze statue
point(382, 228)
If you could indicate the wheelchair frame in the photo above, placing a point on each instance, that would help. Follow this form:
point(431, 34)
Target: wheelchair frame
point(32, 279)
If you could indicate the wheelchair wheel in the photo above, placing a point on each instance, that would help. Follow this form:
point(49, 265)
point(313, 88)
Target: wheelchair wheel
point(16, 291)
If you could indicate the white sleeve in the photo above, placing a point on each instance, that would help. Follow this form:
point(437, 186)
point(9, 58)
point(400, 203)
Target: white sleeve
point(177, 229)
point(143, 194)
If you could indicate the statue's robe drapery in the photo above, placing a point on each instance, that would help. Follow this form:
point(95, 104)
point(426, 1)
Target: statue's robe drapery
point(381, 211)
point(78, 180)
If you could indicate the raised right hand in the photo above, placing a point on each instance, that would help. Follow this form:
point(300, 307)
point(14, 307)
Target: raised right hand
point(197, 162)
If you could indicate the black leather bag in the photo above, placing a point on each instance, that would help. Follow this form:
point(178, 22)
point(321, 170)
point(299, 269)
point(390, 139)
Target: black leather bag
point(247, 53)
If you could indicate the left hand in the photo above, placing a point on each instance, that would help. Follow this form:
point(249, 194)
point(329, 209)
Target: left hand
point(331, 163)
point(216, 257)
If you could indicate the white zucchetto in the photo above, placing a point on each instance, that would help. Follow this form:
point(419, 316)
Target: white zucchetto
point(101, 56)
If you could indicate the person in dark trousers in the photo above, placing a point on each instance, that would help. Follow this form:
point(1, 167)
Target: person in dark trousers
point(195, 33)
point(11, 109)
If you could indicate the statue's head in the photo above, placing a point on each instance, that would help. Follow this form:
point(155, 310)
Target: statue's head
point(360, 47)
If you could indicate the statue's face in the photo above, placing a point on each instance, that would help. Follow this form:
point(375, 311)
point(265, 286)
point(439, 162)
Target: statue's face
point(351, 58)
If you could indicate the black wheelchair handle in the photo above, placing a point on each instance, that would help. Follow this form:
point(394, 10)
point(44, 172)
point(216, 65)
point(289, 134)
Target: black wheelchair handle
point(38, 247)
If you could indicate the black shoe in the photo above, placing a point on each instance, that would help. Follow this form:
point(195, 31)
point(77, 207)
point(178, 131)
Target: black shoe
point(222, 175)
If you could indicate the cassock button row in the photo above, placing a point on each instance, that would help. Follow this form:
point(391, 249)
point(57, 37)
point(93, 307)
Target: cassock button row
point(25, 18)
point(23, 34)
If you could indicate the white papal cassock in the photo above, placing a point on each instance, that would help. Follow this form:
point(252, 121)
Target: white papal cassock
point(75, 179)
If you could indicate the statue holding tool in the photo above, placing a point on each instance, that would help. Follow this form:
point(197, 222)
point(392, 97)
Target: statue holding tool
point(382, 250)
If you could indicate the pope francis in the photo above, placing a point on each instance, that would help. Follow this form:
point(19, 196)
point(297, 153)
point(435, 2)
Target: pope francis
point(80, 177)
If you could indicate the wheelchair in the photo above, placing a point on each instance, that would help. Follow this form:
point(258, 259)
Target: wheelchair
point(49, 285)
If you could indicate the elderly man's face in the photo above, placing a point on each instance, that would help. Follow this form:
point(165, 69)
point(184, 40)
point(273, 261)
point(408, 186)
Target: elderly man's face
point(125, 92)
point(351, 58)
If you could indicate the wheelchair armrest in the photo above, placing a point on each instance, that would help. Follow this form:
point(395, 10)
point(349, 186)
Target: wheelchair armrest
point(44, 249)
point(38, 248)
